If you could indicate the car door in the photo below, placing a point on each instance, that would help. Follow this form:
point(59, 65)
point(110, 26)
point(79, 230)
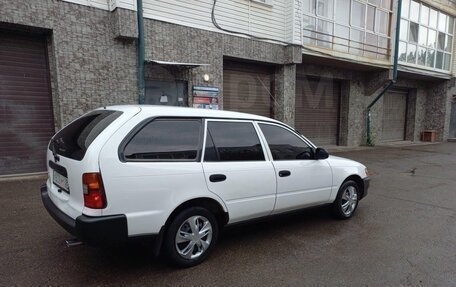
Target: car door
point(150, 166)
point(301, 180)
point(237, 168)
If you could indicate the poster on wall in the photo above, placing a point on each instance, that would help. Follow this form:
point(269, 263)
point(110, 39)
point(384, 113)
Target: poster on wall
point(205, 97)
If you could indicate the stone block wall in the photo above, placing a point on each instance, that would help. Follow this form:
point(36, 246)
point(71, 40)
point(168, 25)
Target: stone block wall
point(92, 53)
point(438, 109)
point(175, 43)
point(89, 68)
point(93, 62)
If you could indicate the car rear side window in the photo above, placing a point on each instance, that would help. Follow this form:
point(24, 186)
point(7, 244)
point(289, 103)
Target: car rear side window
point(285, 145)
point(166, 140)
point(232, 141)
point(74, 140)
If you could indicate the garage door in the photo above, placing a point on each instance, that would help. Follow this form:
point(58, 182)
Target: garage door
point(25, 104)
point(452, 132)
point(394, 116)
point(247, 88)
point(317, 109)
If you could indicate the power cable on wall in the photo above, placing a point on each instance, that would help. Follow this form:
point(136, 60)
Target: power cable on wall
point(214, 21)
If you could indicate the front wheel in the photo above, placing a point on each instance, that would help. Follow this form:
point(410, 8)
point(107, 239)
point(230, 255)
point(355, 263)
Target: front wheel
point(347, 200)
point(191, 236)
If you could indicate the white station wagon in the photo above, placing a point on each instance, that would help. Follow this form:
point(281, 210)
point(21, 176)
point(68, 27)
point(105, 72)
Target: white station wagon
point(179, 175)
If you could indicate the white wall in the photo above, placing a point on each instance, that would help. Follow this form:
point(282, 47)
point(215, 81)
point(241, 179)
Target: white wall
point(102, 4)
point(296, 25)
point(272, 20)
point(253, 17)
point(126, 4)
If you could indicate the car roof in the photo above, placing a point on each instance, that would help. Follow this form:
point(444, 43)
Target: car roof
point(156, 110)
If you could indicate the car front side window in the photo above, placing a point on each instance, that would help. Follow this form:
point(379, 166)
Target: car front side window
point(285, 145)
point(232, 141)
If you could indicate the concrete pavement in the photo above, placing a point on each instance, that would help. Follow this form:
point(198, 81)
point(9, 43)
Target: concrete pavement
point(404, 234)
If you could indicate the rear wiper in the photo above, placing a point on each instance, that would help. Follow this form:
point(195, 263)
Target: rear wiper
point(55, 146)
point(59, 144)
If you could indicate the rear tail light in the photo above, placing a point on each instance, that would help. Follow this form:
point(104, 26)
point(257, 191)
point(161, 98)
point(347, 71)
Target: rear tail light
point(94, 196)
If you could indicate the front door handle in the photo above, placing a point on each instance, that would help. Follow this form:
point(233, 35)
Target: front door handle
point(284, 173)
point(217, 177)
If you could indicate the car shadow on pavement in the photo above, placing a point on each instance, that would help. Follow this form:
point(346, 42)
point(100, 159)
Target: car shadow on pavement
point(281, 223)
point(137, 254)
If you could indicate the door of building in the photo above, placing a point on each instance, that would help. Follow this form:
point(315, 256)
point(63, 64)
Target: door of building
point(317, 109)
point(166, 93)
point(452, 133)
point(248, 88)
point(394, 115)
point(26, 115)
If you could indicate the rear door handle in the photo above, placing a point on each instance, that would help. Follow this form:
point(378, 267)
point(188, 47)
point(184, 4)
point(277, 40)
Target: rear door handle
point(217, 177)
point(284, 173)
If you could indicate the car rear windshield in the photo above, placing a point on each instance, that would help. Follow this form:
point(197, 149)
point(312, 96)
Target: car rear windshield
point(74, 140)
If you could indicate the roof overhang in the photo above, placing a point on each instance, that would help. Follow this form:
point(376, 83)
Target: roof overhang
point(175, 64)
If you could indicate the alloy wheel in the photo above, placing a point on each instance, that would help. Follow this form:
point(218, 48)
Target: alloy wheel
point(193, 237)
point(349, 200)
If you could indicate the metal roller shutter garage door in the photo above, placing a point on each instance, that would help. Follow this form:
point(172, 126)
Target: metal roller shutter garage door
point(247, 89)
point(317, 109)
point(452, 132)
point(394, 116)
point(26, 118)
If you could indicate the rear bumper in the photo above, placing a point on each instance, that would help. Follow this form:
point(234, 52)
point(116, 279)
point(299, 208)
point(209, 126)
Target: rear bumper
point(366, 183)
point(87, 228)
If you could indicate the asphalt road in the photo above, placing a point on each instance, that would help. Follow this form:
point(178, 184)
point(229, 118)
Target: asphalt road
point(404, 234)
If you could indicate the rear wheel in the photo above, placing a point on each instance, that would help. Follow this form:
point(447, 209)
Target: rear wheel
point(191, 236)
point(347, 200)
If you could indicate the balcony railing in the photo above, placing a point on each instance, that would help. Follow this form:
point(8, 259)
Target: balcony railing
point(347, 45)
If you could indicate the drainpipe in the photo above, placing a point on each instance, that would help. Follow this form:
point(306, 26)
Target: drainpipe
point(140, 51)
point(391, 82)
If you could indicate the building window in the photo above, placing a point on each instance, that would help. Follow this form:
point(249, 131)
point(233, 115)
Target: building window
point(267, 2)
point(426, 36)
point(359, 27)
point(167, 93)
point(325, 8)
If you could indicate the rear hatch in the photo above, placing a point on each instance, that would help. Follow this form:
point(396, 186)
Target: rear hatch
point(74, 151)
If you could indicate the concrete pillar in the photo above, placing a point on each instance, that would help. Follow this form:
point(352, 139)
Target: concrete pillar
point(438, 105)
point(353, 104)
point(285, 93)
point(451, 94)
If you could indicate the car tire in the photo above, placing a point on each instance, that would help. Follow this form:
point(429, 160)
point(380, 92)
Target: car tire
point(190, 237)
point(346, 201)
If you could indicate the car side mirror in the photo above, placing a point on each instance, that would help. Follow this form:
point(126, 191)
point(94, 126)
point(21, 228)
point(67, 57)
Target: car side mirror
point(321, 153)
